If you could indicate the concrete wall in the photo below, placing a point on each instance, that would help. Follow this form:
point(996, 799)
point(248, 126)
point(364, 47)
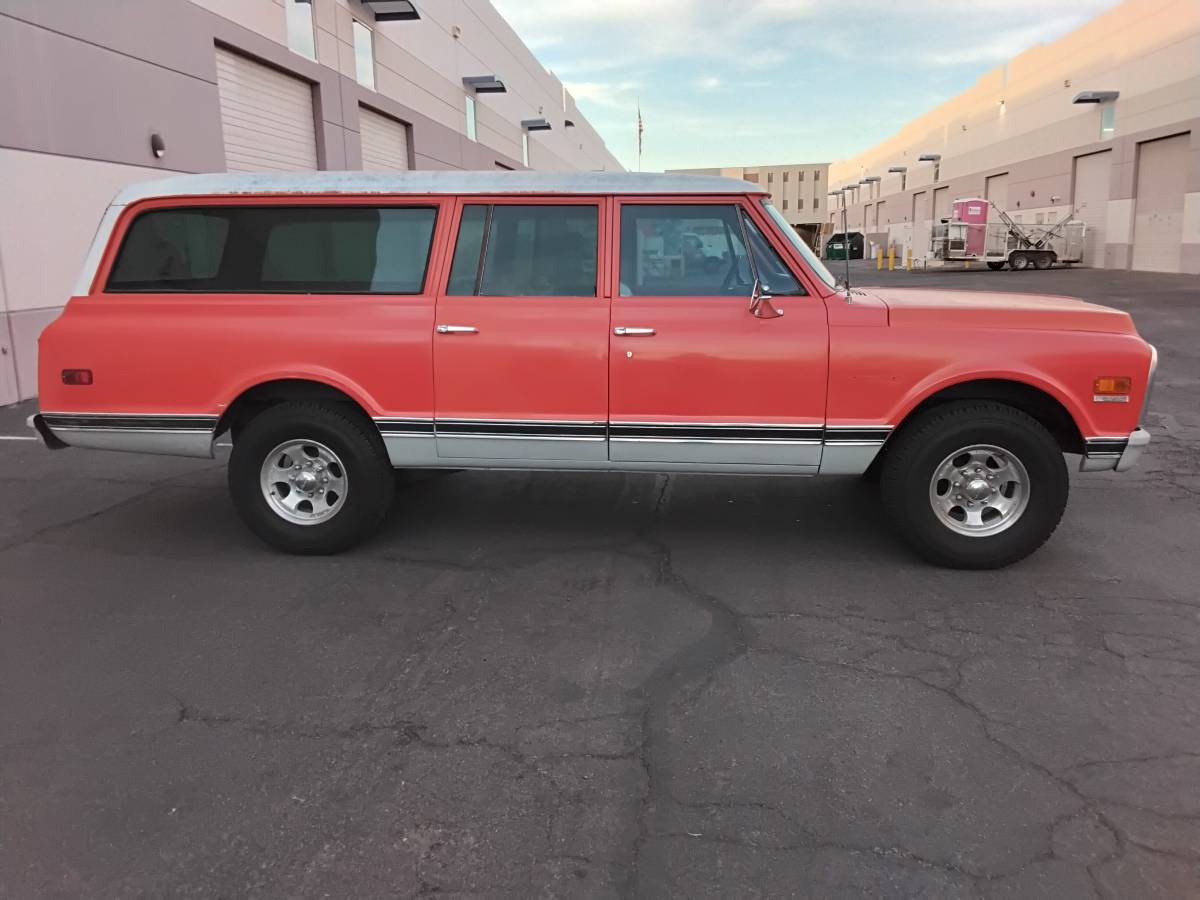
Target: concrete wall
point(1019, 119)
point(86, 84)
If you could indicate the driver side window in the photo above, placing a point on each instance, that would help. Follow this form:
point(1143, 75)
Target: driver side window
point(683, 250)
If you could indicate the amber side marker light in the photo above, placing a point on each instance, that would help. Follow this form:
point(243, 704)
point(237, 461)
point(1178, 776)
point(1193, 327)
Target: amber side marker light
point(1112, 389)
point(77, 376)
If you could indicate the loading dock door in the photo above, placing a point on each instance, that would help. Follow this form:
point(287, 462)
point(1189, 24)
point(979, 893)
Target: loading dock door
point(920, 232)
point(1090, 197)
point(995, 189)
point(266, 117)
point(384, 142)
point(941, 204)
point(1158, 206)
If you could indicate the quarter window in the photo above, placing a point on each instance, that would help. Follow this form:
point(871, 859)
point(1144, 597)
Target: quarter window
point(525, 250)
point(768, 265)
point(276, 249)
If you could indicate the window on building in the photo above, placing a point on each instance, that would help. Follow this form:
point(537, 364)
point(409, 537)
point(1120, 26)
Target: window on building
point(683, 250)
point(471, 133)
point(816, 174)
point(800, 203)
point(525, 148)
point(1108, 120)
point(785, 177)
point(770, 177)
point(785, 203)
point(364, 55)
point(300, 34)
point(816, 202)
point(276, 249)
point(800, 175)
point(528, 251)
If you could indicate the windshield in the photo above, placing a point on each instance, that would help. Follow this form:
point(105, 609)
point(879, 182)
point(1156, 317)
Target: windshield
point(805, 251)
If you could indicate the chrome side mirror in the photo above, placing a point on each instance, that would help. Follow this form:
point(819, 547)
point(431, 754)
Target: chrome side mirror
point(762, 304)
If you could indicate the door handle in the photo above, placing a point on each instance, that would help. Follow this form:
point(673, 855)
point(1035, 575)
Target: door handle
point(622, 331)
point(457, 329)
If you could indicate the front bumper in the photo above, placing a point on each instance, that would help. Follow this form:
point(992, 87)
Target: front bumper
point(1114, 454)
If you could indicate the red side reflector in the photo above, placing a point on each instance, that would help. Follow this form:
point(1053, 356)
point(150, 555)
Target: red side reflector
point(77, 376)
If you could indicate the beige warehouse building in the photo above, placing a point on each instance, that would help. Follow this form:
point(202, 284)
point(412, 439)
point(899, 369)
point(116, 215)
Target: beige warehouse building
point(101, 94)
point(1104, 121)
point(797, 190)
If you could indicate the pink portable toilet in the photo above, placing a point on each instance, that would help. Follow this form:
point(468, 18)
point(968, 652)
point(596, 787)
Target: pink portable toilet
point(973, 212)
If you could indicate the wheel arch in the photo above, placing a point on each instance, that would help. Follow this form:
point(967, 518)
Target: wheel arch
point(1042, 402)
point(256, 397)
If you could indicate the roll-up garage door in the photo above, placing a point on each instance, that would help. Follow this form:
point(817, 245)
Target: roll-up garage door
point(920, 232)
point(1092, 173)
point(384, 142)
point(995, 189)
point(266, 117)
point(941, 204)
point(1158, 207)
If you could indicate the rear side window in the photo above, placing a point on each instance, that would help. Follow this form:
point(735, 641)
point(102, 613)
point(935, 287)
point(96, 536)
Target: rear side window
point(276, 249)
point(525, 250)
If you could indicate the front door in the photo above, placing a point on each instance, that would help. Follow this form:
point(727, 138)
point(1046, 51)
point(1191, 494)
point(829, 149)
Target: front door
point(696, 378)
point(521, 334)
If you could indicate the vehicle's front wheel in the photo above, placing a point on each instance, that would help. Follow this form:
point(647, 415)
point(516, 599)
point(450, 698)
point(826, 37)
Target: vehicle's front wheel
point(974, 484)
point(310, 478)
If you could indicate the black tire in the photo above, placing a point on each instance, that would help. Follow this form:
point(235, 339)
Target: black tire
point(1043, 261)
point(1019, 262)
point(915, 454)
point(996, 265)
point(358, 447)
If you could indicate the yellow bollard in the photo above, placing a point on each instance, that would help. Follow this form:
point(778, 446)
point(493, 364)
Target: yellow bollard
point(891, 257)
point(878, 259)
point(966, 264)
point(908, 258)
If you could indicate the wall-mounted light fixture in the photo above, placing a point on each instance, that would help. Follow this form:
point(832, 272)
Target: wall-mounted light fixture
point(567, 123)
point(535, 125)
point(484, 84)
point(392, 10)
point(1096, 96)
point(158, 146)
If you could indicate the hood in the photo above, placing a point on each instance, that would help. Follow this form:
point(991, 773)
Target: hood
point(922, 308)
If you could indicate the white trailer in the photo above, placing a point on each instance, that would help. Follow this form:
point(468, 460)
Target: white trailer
point(1008, 242)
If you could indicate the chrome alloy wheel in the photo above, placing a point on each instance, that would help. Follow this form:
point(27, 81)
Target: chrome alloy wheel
point(304, 482)
point(979, 490)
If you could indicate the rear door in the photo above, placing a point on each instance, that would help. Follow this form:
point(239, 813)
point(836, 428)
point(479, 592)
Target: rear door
point(521, 333)
point(695, 377)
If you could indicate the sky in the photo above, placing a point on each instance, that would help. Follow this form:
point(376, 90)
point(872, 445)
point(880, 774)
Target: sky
point(757, 82)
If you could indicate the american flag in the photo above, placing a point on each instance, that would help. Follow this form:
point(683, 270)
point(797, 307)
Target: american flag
point(641, 128)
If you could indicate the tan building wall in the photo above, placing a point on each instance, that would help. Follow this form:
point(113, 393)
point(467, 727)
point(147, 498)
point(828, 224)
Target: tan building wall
point(797, 190)
point(1017, 131)
point(86, 84)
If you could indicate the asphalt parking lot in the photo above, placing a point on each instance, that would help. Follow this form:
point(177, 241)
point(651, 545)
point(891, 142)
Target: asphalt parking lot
point(604, 685)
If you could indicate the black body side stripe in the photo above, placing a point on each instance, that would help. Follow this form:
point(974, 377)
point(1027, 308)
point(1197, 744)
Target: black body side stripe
point(405, 426)
point(130, 422)
point(717, 432)
point(856, 435)
point(522, 429)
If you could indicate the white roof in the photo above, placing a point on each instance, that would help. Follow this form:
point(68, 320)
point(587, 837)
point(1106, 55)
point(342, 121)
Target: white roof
point(441, 182)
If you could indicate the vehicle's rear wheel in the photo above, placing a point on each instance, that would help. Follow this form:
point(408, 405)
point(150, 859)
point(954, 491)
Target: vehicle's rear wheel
point(1019, 262)
point(995, 265)
point(310, 478)
point(1043, 261)
point(974, 484)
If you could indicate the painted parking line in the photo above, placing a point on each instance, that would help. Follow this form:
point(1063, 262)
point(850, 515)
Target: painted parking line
point(18, 437)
